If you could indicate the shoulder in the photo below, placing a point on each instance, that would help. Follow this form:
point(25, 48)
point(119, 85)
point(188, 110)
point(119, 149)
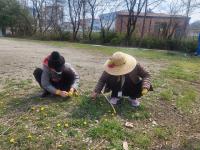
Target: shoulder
point(136, 68)
point(46, 68)
point(68, 65)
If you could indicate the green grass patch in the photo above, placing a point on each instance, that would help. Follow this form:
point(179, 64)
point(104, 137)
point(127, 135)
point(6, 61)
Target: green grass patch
point(142, 140)
point(162, 133)
point(186, 99)
point(178, 72)
point(17, 85)
point(108, 129)
point(125, 110)
point(88, 109)
point(166, 95)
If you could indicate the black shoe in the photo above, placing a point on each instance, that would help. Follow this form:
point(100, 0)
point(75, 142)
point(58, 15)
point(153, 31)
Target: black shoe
point(44, 94)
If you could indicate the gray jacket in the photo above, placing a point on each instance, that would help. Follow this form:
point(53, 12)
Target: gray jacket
point(48, 74)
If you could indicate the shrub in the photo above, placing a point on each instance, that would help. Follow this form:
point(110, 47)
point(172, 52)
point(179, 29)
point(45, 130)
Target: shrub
point(188, 46)
point(96, 38)
point(63, 36)
point(109, 35)
point(118, 40)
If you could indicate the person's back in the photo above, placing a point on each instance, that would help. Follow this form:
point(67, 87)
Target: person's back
point(56, 77)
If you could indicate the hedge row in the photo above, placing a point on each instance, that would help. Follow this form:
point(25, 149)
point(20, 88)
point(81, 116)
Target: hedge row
point(115, 39)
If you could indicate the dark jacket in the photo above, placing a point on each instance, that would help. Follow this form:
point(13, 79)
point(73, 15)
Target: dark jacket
point(139, 73)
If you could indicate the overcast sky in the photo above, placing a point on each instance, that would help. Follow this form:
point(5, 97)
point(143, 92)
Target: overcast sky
point(195, 17)
point(162, 8)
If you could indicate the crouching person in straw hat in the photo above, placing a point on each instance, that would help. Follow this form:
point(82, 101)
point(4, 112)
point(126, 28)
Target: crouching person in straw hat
point(57, 77)
point(124, 77)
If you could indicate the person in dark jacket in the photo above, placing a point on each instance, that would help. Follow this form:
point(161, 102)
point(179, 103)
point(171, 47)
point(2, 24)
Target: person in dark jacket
point(124, 76)
point(56, 77)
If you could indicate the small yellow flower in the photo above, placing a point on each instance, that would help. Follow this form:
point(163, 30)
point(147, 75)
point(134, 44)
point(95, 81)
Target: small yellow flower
point(33, 108)
point(106, 119)
point(42, 108)
point(85, 122)
point(58, 125)
point(12, 140)
point(29, 136)
point(66, 125)
point(59, 145)
point(113, 114)
point(70, 94)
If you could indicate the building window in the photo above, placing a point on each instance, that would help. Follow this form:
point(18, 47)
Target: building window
point(160, 27)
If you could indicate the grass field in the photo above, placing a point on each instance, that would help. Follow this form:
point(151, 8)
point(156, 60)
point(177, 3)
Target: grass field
point(169, 117)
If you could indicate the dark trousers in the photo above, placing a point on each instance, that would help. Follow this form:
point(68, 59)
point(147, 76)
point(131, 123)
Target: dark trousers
point(129, 89)
point(63, 84)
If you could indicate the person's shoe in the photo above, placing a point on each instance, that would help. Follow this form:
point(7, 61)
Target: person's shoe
point(44, 94)
point(114, 100)
point(135, 102)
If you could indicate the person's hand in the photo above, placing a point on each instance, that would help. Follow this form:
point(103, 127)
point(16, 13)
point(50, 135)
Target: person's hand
point(94, 95)
point(144, 91)
point(64, 94)
point(61, 93)
point(71, 92)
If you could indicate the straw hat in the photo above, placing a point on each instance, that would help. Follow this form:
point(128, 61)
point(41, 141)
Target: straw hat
point(120, 64)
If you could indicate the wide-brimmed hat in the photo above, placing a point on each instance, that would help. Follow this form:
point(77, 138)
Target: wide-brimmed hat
point(56, 61)
point(120, 64)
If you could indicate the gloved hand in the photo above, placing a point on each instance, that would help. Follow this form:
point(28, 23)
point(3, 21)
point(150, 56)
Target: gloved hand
point(144, 91)
point(61, 93)
point(71, 92)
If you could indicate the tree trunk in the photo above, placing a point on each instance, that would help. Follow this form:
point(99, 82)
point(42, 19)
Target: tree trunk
point(74, 34)
point(186, 20)
point(83, 23)
point(4, 31)
point(144, 20)
point(128, 32)
point(91, 27)
point(103, 35)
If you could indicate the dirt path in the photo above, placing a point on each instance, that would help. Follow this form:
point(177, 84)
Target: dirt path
point(18, 59)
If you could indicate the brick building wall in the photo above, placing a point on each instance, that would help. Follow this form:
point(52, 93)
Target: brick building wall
point(151, 24)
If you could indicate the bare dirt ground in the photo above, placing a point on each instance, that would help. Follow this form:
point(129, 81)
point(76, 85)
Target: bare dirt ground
point(18, 59)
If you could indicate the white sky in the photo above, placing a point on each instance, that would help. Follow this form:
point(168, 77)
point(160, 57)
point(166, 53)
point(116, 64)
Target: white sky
point(161, 8)
point(164, 8)
point(195, 17)
point(178, 5)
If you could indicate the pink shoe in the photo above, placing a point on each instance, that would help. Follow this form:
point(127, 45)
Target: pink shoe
point(135, 102)
point(114, 100)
